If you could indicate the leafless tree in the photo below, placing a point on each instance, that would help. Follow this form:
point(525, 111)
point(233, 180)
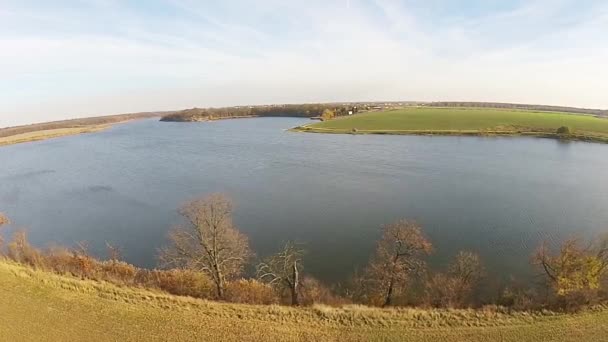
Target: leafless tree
point(454, 288)
point(283, 270)
point(114, 252)
point(467, 268)
point(399, 254)
point(208, 242)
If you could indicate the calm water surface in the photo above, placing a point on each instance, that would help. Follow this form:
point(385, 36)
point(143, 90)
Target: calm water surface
point(496, 196)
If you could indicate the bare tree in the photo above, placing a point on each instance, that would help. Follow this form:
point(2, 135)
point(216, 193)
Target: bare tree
point(209, 242)
point(398, 255)
point(114, 252)
point(454, 288)
point(283, 270)
point(467, 268)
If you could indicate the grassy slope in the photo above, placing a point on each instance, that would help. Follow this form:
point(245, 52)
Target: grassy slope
point(465, 120)
point(38, 306)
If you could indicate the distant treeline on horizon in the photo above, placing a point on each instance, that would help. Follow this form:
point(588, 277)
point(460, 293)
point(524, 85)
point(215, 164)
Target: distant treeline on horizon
point(292, 110)
point(345, 108)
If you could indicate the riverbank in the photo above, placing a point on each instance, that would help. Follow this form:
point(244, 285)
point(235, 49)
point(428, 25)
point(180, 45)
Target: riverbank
point(55, 129)
point(36, 305)
point(466, 122)
point(50, 134)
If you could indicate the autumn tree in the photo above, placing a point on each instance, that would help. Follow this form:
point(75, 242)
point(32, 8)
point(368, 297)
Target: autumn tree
point(208, 242)
point(282, 270)
point(3, 219)
point(575, 267)
point(328, 114)
point(399, 255)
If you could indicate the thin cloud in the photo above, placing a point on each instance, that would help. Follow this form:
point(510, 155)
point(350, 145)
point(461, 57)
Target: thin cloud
point(104, 57)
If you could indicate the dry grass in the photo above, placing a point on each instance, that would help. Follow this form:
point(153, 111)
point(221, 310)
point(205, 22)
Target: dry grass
point(49, 134)
point(40, 306)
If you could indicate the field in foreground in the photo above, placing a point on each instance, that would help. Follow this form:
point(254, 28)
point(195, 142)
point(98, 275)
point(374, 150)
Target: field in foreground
point(39, 306)
point(463, 121)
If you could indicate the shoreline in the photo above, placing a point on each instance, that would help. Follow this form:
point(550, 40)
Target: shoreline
point(53, 133)
point(471, 133)
point(48, 134)
point(207, 119)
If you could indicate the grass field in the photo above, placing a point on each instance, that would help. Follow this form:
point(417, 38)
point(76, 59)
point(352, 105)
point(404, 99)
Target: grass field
point(39, 306)
point(49, 134)
point(465, 121)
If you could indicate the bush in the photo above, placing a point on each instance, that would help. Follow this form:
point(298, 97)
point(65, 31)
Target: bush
point(250, 291)
point(61, 260)
point(314, 292)
point(563, 130)
point(118, 271)
point(178, 282)
point(20, 250)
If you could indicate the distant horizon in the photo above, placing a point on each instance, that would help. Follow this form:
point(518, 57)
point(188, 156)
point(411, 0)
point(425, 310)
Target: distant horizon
point(160, 112)
point(72, 59)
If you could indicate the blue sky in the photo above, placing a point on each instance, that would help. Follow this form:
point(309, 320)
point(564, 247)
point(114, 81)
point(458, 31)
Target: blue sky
point(64, 59)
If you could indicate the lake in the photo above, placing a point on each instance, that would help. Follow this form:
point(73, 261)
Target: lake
point(498, 196)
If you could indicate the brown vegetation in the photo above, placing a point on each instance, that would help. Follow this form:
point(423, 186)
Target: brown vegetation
point(398, 257)
point(75, 123)
point(209, 242)
point(455, 288)
point(209, 255)
point(282, 270)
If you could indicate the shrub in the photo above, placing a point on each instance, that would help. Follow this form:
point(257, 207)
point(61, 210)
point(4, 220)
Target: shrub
point(179, 282)
point(118, 271)
point(314, 292)
point(20, 250)
point(563, 130)
point(3, 219)
point(60, 260)
point(251, 291)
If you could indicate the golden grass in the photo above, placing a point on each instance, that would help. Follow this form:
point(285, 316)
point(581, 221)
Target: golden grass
point(41, 306)
point(49, 134)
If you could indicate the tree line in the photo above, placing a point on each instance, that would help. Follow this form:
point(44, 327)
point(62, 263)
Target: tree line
point(544, 108)
point(207, 255)
point(290, 110)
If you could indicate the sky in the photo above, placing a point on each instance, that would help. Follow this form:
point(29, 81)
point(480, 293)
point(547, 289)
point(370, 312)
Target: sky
point(65, 59)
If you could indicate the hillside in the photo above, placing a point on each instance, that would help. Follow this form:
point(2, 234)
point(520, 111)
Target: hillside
point(466, 121)
point(37, 306)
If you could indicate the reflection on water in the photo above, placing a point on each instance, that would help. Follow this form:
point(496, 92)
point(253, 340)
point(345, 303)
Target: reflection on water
point(496, 196)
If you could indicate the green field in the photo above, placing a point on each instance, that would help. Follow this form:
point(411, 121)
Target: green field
point(39, 306)
point(463, 121)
